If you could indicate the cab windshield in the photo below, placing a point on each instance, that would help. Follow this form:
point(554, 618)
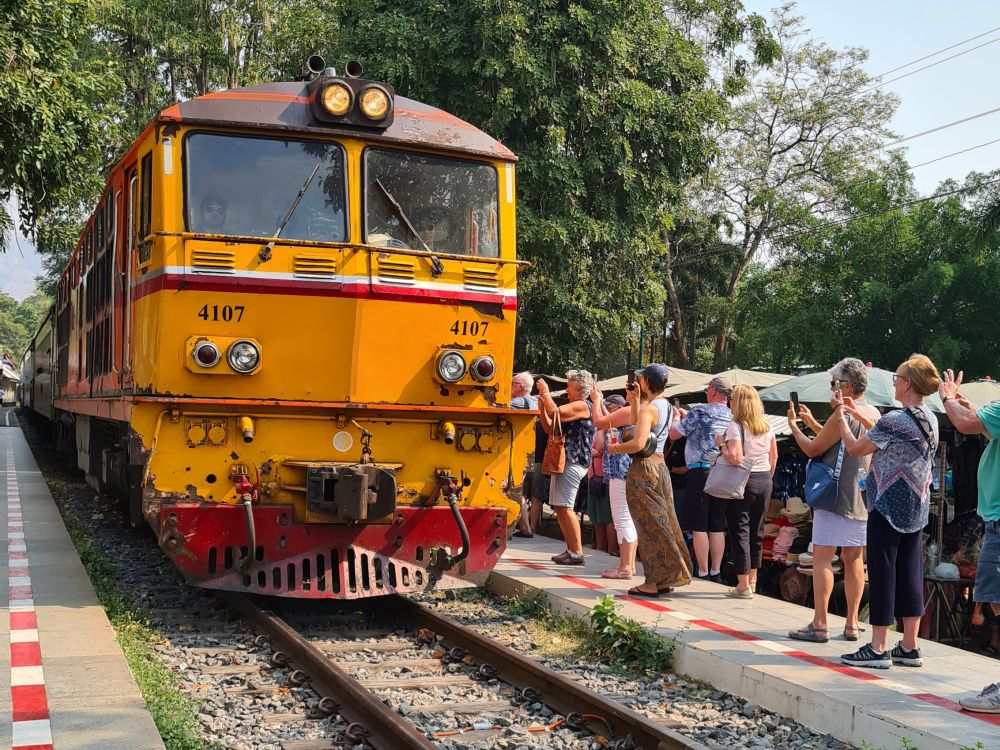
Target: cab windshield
point(247, 186)
point(431, 203)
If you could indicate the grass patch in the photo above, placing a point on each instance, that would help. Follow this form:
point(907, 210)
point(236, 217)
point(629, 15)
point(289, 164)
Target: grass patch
point(606, 635)
point(173, 712)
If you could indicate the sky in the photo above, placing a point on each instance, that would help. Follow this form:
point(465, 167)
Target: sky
point(895, 32)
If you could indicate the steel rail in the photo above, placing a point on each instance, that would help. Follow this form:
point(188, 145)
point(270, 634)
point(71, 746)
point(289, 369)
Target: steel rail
point(552, 689)
point(371, 721)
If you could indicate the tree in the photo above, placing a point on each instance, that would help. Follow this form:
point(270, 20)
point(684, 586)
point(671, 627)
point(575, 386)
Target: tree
point(608, 106)
point(899, 274)
point(54, 96)
point(801, 129)
point(19, 321)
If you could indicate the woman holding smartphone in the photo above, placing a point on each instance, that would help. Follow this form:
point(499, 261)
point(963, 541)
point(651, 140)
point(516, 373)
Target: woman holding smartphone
point(845, 525)
point(647, 489)
point(902, 445)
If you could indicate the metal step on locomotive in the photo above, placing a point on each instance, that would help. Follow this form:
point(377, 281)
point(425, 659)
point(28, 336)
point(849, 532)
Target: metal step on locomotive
point(286, 337)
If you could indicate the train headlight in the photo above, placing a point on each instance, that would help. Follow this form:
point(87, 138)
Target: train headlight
point(243, 356)
point(374, 103)
point(451, 366)
point(337, 99)
point(206, 354)
point(483, 368)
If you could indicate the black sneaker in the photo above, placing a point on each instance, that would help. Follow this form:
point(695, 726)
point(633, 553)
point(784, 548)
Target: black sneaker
point(906, 658)
point(866, 656)
point(715, 577)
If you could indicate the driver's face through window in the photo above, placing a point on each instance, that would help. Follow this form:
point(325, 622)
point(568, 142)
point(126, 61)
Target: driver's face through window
point(247, 187)
point(442, 204)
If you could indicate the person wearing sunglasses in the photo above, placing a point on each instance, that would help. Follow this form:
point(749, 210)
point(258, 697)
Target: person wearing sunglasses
point(213, 213)
point(844, 525)
point(902, 445)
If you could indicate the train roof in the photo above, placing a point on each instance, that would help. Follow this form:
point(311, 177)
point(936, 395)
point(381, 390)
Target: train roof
point(286, 106)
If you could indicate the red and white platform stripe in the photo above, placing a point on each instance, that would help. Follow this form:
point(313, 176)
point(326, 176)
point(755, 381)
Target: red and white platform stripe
point(31, 728)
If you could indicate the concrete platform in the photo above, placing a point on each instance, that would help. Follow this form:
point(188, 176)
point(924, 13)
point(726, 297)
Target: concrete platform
point(742, 647)
point(63, 680)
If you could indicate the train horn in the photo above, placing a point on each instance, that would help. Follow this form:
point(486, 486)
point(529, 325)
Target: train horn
point(315, 65)
point(353, 69)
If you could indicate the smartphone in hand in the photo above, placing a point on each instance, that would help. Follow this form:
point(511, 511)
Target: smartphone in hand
point(630, 379)
point(794, 396)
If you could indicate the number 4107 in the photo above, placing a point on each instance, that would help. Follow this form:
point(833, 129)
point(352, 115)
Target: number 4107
point(222, 312)
point(469, 328)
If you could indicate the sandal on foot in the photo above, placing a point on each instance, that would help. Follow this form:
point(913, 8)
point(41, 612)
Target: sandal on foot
point(617, 574)
point(665, 590)
point(635, 591)
point(851, 633)
point(811, 634)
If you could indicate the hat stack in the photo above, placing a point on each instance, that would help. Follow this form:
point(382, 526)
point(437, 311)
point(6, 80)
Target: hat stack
point(805, 562)
point(796, 511)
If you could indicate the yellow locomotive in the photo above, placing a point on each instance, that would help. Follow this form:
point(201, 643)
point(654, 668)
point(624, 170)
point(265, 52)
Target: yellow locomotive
point(287, 337)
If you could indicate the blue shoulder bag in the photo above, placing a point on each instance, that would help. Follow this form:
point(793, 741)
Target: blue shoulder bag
point(821, 482)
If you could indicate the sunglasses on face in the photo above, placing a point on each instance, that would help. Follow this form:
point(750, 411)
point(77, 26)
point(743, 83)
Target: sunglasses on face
point(897, 377)
point(837, 383)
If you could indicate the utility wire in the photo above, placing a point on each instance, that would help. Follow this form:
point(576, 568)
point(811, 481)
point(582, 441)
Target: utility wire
point(939, 128)
point(926, 67)
point(955, 153)
point(935, 54)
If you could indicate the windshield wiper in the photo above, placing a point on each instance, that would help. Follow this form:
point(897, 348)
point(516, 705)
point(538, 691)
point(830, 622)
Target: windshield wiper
point(436, 267)
point(265, 252)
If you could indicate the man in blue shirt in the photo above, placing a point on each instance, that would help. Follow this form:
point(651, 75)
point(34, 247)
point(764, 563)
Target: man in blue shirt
point(985, 421)
point(704, 516)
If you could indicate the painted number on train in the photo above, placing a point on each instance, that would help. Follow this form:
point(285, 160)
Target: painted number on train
point(469, 328)
point(226, 313)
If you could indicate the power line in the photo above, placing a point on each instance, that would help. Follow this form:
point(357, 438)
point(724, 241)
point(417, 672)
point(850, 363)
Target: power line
point(955, 153)
point(934, 54)
point(926, 67)
point(939, 128)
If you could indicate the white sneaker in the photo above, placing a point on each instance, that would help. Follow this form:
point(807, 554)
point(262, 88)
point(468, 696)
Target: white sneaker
point(987, 702)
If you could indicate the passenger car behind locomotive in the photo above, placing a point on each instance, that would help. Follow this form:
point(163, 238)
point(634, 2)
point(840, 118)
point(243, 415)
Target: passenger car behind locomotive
point(286, 336)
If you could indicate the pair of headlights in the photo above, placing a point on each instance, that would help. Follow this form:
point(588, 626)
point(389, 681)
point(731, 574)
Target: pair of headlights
point(451, 367)
point(373, 101)
point(243, 356)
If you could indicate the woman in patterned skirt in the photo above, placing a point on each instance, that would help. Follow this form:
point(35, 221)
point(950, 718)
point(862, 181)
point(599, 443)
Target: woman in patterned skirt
point(647, 489)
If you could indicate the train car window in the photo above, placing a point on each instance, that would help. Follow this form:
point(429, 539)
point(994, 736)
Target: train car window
point(133, 204)
point(99, 232)
point(247, 187)
point(415, 200)
point(145, 208)
point(111, 229)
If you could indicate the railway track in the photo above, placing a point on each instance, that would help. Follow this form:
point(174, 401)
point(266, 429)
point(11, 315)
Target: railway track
point(437, 644)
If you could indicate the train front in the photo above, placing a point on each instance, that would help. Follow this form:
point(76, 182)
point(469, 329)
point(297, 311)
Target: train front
point(323, 342)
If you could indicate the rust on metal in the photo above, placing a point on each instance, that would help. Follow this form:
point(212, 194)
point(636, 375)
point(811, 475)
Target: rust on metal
point(370, 719)
point(602, 715)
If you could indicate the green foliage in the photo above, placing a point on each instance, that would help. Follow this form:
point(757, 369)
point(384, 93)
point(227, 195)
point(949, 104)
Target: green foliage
point(56, 101)
point(19, 321)
point(628, 643)
point(608, 106)
point(800, 129)
point(882, 283)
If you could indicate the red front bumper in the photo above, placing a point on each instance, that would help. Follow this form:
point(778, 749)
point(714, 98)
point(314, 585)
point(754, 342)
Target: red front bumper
point(329, 561)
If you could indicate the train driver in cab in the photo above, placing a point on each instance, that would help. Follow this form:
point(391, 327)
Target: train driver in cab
point(213, 213)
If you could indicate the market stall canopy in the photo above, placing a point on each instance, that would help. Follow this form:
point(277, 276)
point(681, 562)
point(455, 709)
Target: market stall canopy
point(677, 376)
point(981, 392)
point(736, 376)
point(814, 390)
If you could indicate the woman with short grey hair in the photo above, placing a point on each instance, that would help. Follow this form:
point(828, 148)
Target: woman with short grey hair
point(578, 430)
point(845, 524)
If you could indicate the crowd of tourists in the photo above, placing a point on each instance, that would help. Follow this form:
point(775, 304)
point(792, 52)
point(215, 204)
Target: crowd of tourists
point(671, 486)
